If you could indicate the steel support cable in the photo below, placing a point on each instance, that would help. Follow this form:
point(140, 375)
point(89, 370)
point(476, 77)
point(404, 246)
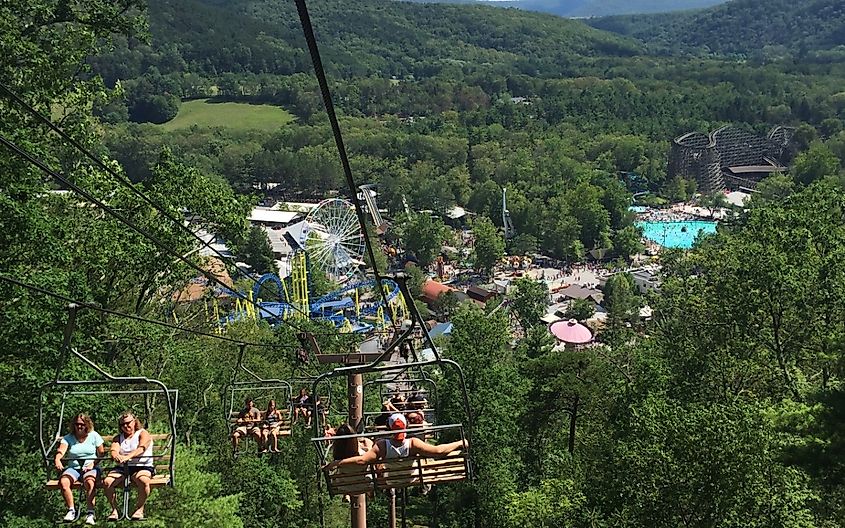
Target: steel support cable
point(120, 178)
point(161, 245)
point(305, 20)
point(138, 318)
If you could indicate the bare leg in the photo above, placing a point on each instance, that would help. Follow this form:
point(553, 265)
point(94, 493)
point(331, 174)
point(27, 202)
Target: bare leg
point(256, 434)
point(109, 485)
point(90, 494)
point(142, 482)
point(275, 440)
point(65, 484)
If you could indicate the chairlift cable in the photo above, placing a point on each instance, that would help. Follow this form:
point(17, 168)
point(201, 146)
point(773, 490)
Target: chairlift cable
point(161, 245)
point(136, 317)
point(305, 21)
point(120, 178)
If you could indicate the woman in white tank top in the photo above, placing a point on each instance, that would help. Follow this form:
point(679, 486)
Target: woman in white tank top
point(129, 444)
point(132, 450)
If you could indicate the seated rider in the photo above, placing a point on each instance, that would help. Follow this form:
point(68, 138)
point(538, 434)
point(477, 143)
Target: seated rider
point(397, 402)
point(248, 424)
point(387, 409)
point(302, 405)
point(317, 402)
point(80, 448)
point(132, 450)
point(272, 423)
point(396, 447)
point(349, 447)
point(416, 419)
point(417, 401)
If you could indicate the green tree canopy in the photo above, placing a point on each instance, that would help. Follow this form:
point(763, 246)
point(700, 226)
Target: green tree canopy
point(489, 244)
point(423, 236)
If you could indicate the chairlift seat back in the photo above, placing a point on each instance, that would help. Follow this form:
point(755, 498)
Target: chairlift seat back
point(397, 474)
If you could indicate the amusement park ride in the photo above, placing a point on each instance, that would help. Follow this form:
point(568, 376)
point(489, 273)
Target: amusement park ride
point(333, 242)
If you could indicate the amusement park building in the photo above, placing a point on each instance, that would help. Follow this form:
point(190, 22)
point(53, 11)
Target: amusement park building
point(728, 157)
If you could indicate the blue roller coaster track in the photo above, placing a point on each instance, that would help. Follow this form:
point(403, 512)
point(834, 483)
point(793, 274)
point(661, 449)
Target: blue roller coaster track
point(277, 309)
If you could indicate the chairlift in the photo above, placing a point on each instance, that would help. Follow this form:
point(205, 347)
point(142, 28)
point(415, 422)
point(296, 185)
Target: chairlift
point(401, 472)
point(69, 392)
point(324, 400)
point(257, 388)
point(397, 473)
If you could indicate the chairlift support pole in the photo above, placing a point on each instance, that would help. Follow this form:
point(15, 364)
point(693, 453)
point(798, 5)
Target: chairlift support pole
point(391, 509)
point(355, 395)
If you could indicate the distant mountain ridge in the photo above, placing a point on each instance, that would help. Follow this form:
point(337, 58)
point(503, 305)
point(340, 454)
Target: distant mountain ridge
point(360, 38)
point(765, 28)
point(590, 8)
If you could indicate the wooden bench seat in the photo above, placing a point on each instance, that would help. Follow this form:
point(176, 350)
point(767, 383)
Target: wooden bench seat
point(284, 425)
point(397, 474)
point(157, 481)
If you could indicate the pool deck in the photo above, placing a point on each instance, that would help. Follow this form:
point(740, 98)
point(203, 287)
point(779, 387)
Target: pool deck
point(680, 213)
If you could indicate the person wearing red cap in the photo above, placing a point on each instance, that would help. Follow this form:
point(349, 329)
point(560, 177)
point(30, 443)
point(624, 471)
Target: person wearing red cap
point(398, 446)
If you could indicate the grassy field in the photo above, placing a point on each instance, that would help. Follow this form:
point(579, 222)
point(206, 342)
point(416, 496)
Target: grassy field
point(242, 116)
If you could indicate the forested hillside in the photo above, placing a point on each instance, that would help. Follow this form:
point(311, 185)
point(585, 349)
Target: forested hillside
point(591, 8)
point(361, 38)
point(725, 409)
point(762, 29)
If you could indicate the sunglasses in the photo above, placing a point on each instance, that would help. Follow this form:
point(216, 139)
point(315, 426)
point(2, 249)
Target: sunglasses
point(80, 424)
point(123, 424)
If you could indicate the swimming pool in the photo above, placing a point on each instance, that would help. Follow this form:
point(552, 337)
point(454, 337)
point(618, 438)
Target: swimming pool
point(676, 234)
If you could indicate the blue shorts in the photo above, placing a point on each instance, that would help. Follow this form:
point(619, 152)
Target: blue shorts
point(76, 473)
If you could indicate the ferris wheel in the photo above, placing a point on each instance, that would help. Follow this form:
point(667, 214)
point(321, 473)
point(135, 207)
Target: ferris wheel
point(334, 240)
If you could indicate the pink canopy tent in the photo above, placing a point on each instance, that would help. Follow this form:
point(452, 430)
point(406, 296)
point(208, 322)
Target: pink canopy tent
point(571, 332)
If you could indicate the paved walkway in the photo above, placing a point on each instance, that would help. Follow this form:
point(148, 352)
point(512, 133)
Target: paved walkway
point(554, 278)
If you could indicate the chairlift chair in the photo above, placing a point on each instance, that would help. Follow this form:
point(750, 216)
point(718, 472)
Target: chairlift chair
point(326, 398)
point(69, 392)
point(397, 473)
point(402, 472)
point(259, 389)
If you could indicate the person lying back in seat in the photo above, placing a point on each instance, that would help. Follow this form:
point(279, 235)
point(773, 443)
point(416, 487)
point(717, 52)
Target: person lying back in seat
point(396, 447)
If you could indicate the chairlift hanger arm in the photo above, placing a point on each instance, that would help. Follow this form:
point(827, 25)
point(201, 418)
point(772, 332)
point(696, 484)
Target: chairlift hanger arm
point(256, 378)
